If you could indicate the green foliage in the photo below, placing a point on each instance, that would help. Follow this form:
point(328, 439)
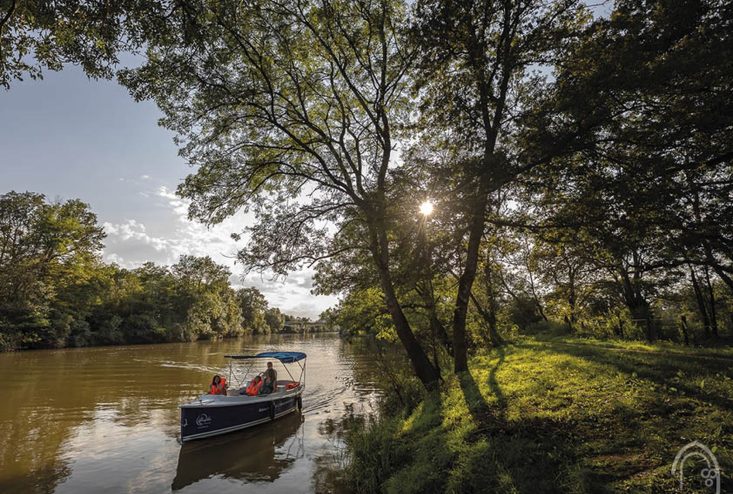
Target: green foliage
point(596, 200)
point(43, 35)
point(364, 311)
point(254, 310)
point(55, 291)
point(47, 251)
point(274, 319)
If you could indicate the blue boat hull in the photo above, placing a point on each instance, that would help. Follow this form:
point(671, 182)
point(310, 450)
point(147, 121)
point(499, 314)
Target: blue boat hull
point(211, 417)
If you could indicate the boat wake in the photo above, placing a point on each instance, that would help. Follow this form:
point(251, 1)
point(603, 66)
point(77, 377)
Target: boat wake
point(319, 398)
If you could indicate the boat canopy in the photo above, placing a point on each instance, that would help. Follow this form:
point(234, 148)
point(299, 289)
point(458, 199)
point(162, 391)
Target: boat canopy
point(285, 357)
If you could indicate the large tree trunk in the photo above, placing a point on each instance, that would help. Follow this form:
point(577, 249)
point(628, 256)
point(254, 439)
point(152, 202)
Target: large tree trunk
point(465, 283)
point(700, 302)
point(636, 303)
point(489, 314)
point(491, 122)
point(424, 369)
point(711, 300)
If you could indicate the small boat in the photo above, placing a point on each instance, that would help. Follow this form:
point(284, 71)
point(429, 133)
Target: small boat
point(211, 415)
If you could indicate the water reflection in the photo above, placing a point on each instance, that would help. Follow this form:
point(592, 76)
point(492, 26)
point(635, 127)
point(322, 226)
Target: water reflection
point(258, 454)
point(106, 419)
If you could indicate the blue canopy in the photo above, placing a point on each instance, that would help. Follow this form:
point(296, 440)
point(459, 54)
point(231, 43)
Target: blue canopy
point(285, 357)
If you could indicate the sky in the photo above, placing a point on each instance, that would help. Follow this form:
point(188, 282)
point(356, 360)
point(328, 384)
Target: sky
point(71, 137)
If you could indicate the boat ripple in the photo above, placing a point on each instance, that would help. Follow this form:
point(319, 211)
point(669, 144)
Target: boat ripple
point(318, 398)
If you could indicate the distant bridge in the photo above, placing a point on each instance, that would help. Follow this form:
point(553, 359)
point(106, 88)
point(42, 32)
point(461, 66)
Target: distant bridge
point(295, 326)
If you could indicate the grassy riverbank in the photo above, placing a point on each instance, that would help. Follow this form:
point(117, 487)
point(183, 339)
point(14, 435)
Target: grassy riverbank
point(557, 415)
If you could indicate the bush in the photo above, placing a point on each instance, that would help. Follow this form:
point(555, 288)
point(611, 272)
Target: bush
point(374, 454)
point(7, 342)
point(80, 334)
point(523, 312)
point(554, 328)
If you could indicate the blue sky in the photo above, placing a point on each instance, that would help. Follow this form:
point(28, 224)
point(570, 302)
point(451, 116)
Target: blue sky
point(71, 137)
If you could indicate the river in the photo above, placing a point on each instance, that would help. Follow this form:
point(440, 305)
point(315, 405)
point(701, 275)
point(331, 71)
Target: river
point(106, 419)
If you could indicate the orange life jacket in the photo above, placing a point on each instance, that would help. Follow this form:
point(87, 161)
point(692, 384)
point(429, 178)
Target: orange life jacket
point(292, 385)
point(254, 388)
point(220, 389)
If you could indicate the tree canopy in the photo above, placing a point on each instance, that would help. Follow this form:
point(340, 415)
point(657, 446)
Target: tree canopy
point(580, 165)
point(55, 290)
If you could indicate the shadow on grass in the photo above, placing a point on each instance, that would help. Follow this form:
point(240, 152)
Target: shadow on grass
point(483, 414)
point(659, 368)
point(528, 455)
point(639, 432)
point(478, 444)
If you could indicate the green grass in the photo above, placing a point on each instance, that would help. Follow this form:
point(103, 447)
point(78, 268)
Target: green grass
point(556, 415)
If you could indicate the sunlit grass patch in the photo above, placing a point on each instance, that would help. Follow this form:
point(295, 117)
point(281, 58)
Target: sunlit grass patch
point(556, 416)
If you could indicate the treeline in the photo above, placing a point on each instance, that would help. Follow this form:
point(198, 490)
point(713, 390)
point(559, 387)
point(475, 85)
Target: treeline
point(530, 284)
point(580, 164)
point(55, 291)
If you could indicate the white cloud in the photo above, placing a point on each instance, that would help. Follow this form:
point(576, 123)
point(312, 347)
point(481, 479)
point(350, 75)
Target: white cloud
point(291, 294)
point(130, 243)
point(180, 206)
point(114, 258)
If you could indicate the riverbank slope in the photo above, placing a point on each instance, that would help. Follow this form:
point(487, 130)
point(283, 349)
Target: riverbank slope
point(558, 415)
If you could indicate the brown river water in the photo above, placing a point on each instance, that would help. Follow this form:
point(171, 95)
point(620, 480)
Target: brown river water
point(106, 419)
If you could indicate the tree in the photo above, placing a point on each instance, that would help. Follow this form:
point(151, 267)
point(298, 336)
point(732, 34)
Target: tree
point(364, 311)
point(289, 110)
point(210, 303)
point(566, 267)
point(647, 177)
point(254, 307)
point(658, 135)
point(474, 58)
point(45, 35)
point(45, 248)
point(274, 319)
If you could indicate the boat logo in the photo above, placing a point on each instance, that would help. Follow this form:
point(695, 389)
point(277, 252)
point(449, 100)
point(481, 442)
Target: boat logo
point(263, 409)
point(203, 420)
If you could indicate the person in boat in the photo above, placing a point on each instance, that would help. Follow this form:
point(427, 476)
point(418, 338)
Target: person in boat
point(255, 386)
point(218, 385)
point(270, 384)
